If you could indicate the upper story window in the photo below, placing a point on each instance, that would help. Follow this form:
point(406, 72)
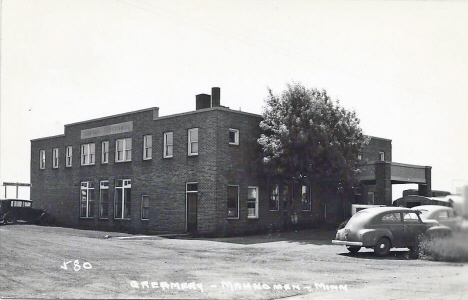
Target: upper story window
point(382, 156)
point(147, 147)
point(68, 156)
point(55, 158)
point(123, 150)
point(193, 141)
point(42, 159)
point(168, 144)
point(105, 152)
point(88, 154)
point(233, 136)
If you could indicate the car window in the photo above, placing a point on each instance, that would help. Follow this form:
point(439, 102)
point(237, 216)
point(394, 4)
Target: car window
point(391, 218)
point(443, 215)
point(16, 203)
point(27, 204)
point(410, 217)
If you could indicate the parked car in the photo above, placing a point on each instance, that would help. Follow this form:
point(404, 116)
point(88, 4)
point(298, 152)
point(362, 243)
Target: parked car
point(13, 210)
point(383, 228)
point(438, 214)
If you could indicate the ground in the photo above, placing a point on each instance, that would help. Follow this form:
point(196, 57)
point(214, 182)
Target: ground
point(53, 262)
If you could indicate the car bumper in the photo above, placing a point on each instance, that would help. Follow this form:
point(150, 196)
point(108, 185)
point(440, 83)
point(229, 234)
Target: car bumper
point(346, 243)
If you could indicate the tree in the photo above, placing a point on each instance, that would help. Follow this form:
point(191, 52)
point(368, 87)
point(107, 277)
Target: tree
point(308, 137)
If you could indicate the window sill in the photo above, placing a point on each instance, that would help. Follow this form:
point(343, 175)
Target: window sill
point(192, 155)
point(252, 218)
point(146, 159)
point(88, 165)
point(168, 156)
point(120, 219)
point(87, 218)
point(103, 219)
point(122, 161)
point(233, 218)
point(144, 219)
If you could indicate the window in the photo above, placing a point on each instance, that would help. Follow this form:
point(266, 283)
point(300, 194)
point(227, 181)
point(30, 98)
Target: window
point(193, 141)
point(55, 158)
point(359, 156)
point(391, 218)
point(104, 200)
point(27, 204)
point(233, 201)
point(123, 199)
point(68, 156)
point(168, 144)
point(87, 199)
point(382, 156)
point(252, 202)
point(410, 217)
point(305, 197)
point(443, 215)
point(87, 154)
point(274, 197)
point(42, 159)
point(123, 150)
point(105, 152)
point(145, 207)
point(147, 147)
point(233, 136)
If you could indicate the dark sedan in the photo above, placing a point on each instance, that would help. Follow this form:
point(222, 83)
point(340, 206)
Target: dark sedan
point(383, 228)
point(13, 210)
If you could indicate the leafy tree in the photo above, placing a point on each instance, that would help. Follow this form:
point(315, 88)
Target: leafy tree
point(309, 137)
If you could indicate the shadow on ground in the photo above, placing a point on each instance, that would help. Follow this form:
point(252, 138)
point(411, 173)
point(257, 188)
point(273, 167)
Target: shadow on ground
point(399, 254)
point(311, 236)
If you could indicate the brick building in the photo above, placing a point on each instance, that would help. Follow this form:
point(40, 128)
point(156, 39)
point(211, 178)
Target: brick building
point(189, 172)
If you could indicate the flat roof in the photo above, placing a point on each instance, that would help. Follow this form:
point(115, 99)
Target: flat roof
point(114, 116)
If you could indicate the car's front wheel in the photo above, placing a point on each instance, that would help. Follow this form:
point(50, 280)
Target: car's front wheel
point(10, 219)
point(382, 248)
point(353, 249)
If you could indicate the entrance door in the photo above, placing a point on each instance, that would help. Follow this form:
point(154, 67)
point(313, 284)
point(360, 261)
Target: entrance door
point(192, 203)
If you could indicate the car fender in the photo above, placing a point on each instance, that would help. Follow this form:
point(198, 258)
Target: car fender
point(370, 237)
point(438, 231)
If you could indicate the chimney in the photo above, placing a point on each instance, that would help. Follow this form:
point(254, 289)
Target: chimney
point(216, 97)
point(202, 101)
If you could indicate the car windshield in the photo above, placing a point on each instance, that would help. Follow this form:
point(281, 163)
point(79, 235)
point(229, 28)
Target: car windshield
point(358, 218)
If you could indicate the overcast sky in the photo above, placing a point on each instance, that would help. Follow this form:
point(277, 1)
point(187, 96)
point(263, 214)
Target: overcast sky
point(401, 65)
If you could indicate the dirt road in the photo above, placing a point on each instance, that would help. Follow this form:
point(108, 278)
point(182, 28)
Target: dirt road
point(49, 262)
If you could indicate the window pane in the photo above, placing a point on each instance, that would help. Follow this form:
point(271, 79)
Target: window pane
point(104, 209)
point(118, 203)
point(169, 151)
point(194, 135)
point(169, 137)
point(194, 148)
point(232, 137)
point(127, 202)
point(192, 187)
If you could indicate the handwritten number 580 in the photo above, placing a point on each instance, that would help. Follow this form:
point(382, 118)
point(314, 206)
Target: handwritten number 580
point(76, 265)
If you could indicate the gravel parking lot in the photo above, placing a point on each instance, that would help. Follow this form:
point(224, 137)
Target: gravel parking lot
point(53, 262)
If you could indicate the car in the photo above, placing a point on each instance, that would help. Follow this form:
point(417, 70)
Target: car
point(438, 214)
point(383, 228)
point(14, 210)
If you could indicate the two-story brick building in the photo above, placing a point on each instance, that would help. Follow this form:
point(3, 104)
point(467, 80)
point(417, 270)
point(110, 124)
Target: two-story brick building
point(189, 172)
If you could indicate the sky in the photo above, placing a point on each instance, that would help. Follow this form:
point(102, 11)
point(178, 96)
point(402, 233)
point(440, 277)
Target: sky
point(401, 65)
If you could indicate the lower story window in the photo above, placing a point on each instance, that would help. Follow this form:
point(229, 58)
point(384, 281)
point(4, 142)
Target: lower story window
point(252, 202)
point(305, 197)
point(123, 198)
point(104, 200)
point(145, 207)
point(87, 199)
point(233, 201)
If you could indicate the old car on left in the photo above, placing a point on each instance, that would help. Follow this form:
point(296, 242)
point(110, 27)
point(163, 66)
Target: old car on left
point(14, 210)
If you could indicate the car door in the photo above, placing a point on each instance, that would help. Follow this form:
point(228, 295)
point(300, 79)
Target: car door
point(392, 222)
point(413, 226)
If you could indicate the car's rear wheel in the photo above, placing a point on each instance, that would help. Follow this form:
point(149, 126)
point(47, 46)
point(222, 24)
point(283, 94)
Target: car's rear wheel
point(353, 249)
point(10, 219)
point(382, 248)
